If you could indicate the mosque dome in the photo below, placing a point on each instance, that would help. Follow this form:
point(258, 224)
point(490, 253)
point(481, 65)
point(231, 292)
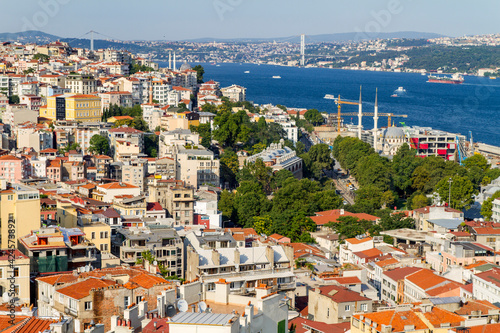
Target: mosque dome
point(185, 66)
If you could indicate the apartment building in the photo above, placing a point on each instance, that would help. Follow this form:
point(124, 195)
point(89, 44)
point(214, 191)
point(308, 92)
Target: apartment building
point(73, 107)
point(245, 269)
point(172, 195)
point(163, 243)
point(278, 157)
point(81, 84)
point(336, 304)
point(57, 249)
point(19, 211)
point(14, 264)
point(235, 93)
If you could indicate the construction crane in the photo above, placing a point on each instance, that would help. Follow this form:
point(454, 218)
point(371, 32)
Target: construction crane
point(339, 103)
point(371, 114)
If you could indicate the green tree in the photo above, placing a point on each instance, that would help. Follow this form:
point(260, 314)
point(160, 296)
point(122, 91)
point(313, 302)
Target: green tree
point(229, 167)
point(404, 164)
point(231, 128)
point(373, 170)
point(419, 201)
point(279, 178)
point(487, 207)
point(462, 191)
point(42, 57)
point(14, 99)
point(476, 160)
point(317, 160)
point(205, 132)
point(262, 224)
point(227, 206)
point(391, 221)
point(99, 145)
point(200, 71)
point(314, 117)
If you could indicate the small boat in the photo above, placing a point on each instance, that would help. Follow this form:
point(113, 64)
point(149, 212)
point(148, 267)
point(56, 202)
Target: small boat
point(276, 77)
point(246, 72)
point(394, 95)
point(401, 90)
point(423, 73)
point(493, 77)
point(217, 65)
point(328, 96)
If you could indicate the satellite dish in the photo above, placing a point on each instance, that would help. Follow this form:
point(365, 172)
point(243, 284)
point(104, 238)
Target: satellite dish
point(6, 297)
point(87, 268)
point(182, 305)
point(155, 263)
point(171, 310)
point(202, 306)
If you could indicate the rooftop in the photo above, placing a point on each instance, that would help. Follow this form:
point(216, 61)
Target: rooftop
point(211, 319)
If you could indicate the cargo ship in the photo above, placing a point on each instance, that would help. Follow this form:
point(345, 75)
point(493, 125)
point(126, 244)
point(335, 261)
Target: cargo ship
point(454, 79)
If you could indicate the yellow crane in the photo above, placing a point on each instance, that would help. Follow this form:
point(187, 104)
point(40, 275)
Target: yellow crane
point(371, 114)
point(339, 108)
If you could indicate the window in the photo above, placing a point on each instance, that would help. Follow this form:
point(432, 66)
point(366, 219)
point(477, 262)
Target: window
point(61, 298)
point(364, 307)
point(347, 308)
point(1, 273)
point(328, 313)
point(92, 235)
point(138, 299)
point(16, 271)
point(211, 286)
point(126, 301)
point(88, 306)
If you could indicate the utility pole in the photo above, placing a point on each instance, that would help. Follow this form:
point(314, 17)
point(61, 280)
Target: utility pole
point(449, 193)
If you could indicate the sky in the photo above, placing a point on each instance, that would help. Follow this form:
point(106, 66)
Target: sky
point(189, 19)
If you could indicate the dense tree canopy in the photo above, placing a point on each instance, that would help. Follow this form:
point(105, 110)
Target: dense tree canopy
point(99, 145)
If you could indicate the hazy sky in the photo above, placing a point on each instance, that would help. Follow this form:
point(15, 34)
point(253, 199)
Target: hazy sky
point(184, 19)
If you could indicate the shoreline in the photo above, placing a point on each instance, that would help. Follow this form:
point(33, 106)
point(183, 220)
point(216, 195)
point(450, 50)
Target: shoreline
point(413, 71)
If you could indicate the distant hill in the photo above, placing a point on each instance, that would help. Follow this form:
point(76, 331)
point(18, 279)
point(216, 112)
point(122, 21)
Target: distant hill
point(29, 36)
point(336, 37)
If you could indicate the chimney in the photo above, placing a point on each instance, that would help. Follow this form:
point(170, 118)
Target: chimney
point(261, 291)
point(342, 212)
point(222, 291)
point(216, 257)
point(270, 255)
point(237, 257)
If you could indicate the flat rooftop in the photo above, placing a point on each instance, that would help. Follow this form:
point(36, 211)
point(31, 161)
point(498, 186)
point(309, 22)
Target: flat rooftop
point(407, 234)
point(217, 319)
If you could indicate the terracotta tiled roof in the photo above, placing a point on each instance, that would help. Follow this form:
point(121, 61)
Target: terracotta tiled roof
point(386, 262)
point(358, 241)
point(9, 158)
point(439, 316)
point(490, 328)
point(370, 253)
point(400, 273)
point(33, 325)
point(82, 289)
point(162, 326)
point(325, 217)
point(397, 319)
point(476, 305)
point(346, 280)
point(426, 279)
point(492, 276)
point(341, 295)
point(303, 325)
point(145, 281)
point(452, 285)
point(154, 206)
point(58, 279)
point(6, 323)
point(116, 185)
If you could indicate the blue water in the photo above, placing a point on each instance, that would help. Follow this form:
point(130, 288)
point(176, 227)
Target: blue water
point(472, 106)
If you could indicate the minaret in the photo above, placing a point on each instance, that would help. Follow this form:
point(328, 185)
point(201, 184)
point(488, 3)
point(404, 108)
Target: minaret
point(360, 115)
point(169, 60)
point(174, 62)
point(375, 121)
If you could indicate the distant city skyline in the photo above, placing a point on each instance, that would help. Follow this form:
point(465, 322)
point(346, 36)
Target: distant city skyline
point(192, 19)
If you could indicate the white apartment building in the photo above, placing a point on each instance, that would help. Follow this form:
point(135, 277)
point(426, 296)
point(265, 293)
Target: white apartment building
point(486, 285)
point(496, 210)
